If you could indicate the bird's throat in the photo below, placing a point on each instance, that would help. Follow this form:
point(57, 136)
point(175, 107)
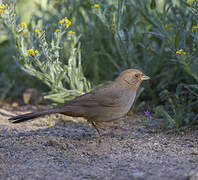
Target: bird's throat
point(135, 86)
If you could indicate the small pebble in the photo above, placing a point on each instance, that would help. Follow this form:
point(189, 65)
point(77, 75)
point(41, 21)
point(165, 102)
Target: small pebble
point(190, 145)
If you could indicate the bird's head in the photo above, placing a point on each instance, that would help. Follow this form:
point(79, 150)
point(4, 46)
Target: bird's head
point(132, 78)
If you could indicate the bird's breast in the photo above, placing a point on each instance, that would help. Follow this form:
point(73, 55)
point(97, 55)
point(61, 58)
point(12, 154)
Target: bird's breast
point(124, 105)
point(128, 99)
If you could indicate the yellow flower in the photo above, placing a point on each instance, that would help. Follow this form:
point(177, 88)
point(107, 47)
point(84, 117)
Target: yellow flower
point(6, 5)
point(30, 51)
point(68, 22)
point(25, 32)
point(177, 52)
point(71, 32)
point(36, 51)
point(194, 28)
point(190, 2)
point(24, 24)
point(57, 30)
point(168, 27)
point(96, 5)
point(2, 6)
point(37, 31)
point(181, 51)
point(61, 21)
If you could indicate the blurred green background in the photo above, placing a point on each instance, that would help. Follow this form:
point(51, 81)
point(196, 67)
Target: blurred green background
point(117, 35)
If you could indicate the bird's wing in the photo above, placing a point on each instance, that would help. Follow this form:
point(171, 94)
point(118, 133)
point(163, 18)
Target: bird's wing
point(102, 97)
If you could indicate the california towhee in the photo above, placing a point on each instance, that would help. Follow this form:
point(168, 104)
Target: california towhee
point(103, 105)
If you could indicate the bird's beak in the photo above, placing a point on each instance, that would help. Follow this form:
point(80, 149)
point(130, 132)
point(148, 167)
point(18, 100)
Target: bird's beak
point(144, 77)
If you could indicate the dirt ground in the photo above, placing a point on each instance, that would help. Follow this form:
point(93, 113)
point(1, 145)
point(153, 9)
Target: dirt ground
point(50, 148)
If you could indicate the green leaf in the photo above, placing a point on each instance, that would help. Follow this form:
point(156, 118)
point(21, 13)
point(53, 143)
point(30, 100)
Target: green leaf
point(153, 4)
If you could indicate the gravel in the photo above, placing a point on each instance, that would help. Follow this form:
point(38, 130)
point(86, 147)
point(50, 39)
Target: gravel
point(50, 148)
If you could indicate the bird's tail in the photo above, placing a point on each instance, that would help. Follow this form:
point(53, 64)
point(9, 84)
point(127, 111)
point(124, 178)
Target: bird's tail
point(32, 115)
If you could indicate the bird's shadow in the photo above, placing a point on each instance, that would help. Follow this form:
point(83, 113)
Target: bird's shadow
point(70, 130)
point(67, 129)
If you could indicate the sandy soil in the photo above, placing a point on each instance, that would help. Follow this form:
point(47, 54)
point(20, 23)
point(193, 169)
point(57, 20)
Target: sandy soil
point(50, 148)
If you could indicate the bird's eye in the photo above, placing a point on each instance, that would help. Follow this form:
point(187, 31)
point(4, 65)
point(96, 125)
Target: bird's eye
point(136, 75)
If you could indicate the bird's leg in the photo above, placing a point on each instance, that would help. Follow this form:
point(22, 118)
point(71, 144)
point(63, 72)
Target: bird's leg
point(94, 125)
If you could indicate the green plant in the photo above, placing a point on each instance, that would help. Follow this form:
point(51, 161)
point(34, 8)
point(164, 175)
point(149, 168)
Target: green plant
point(41, 57)
point(157, 37)
point(180, 107)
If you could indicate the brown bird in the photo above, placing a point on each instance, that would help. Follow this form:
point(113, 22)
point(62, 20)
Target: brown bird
point(103, 105)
